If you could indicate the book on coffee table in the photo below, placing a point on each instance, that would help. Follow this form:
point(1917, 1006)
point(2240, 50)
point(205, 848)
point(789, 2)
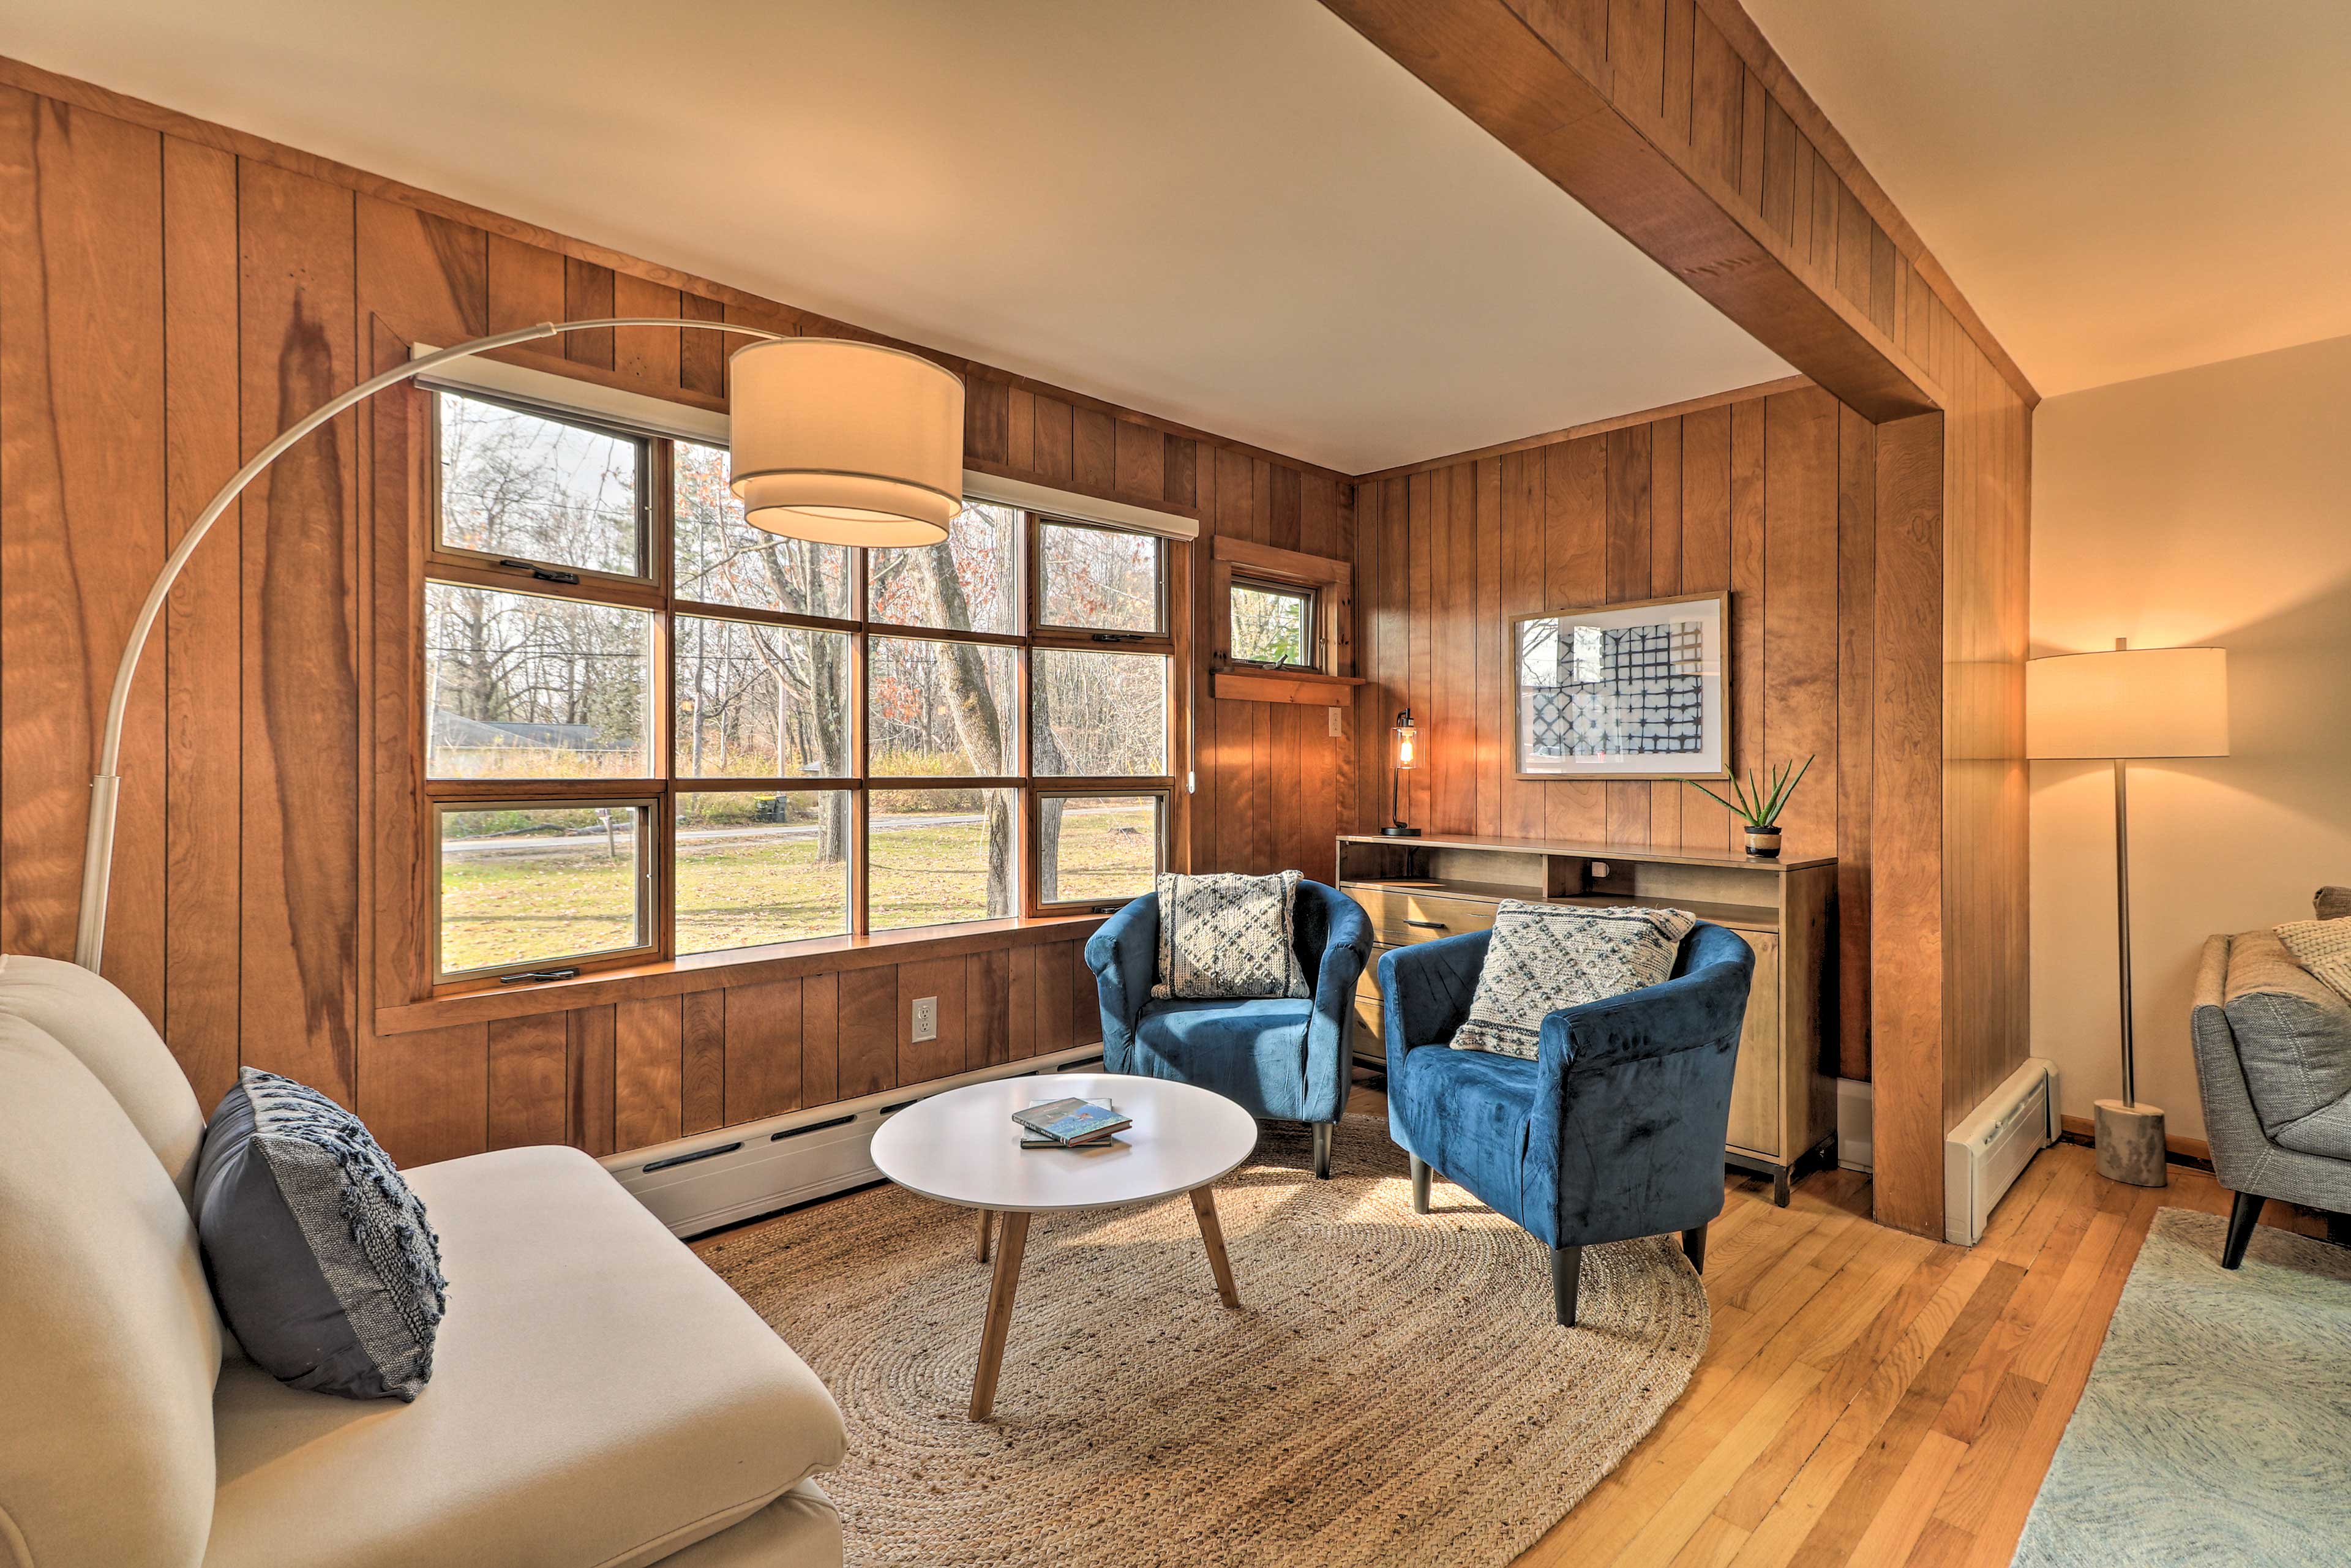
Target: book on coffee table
point(1067, 1124)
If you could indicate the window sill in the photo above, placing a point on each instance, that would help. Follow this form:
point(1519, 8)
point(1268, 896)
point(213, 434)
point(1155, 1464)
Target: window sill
point(1310, 688)
point(716, 971)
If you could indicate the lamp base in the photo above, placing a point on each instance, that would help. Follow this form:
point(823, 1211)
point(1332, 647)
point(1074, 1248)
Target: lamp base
point(1398, 830)
point(2130, 1144)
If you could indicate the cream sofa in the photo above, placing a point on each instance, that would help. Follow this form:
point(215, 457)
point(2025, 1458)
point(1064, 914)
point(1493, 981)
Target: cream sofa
point(600, 1399)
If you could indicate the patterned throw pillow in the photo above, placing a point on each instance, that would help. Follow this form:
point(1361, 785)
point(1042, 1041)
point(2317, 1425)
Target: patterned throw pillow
point(318, 1254)
point(2323, 947)
point(1546, 957)
point(1225, 938)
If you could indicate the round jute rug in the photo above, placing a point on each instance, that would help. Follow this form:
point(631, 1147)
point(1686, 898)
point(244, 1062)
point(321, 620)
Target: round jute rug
point(1392, 1391)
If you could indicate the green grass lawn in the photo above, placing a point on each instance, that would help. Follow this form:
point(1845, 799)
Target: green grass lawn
point(567, 897)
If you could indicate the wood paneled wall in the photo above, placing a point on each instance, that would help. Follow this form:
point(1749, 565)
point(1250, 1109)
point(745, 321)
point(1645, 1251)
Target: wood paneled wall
point(171, 295)
point(1771, 497)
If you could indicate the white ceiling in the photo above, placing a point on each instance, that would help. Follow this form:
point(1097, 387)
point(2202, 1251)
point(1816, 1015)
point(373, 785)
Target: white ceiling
point(2120, 187)
point(1236, 213)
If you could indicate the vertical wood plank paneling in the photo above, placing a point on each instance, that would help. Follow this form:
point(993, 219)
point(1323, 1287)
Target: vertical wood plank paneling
point(1680, 46)
point(1522, 589)
point(1053, 437)
point(1139, 460)
point(1420, 677)
point(1453, 567)
point(1716, 85)
point(82, 477)
point(1053, 988)
point(1705, 566)
point(1636, 57)
point(591, 1064)
point(1664, 581)
point(987, 1003)
point(702, 356)
point(529, 1079)
point(942, 1056)
point(1093, 463)
point(1907, 828)
point(1800, 633)
point(869, 1031)
point(1748, 603)
point(647, 355)
point(298, 949)
point(1856, 706)
point(1489, 632)
point(1753, 103)
point(701, 1028)
point(588, 297)
point(1575, 575)
point(819, 1039)
point(526, 284)
point(988, 417)
point(424, 1095)
point(1022, 971)
point(648, 1072)
point(201, 625)
point(762, 1050)
point(1020, 428)
point(427, 277)
point(1626, 807)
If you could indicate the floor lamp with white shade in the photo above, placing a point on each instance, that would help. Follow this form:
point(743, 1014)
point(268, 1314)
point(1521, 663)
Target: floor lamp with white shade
point(2130, 703)
point(832, 439)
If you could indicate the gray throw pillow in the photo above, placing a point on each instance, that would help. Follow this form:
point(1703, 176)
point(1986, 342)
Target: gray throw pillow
point(2331, 904)
point(1546, 957)
point(319, 1255)
point(1226, 938)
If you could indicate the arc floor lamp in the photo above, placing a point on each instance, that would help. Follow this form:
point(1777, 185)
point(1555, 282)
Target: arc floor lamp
point(2130, 703)
point(832, 440)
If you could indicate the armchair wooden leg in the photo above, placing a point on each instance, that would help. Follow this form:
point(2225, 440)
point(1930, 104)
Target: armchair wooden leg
point(1566, 1272)
point(2243, 1216)
point(1694, 1247)
point(1420, 1175)
point(1323, 1150)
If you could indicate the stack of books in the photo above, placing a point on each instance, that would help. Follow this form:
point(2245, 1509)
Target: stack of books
point(1069, 1123)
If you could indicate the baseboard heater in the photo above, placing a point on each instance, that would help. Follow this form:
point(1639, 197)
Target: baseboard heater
point(718, 1179)
point(1983, 1155)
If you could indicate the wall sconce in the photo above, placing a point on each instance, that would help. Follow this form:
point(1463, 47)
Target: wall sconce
point(1404, 757)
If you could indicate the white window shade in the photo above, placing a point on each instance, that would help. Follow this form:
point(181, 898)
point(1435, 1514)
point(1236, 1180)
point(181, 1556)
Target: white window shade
point(545, 388)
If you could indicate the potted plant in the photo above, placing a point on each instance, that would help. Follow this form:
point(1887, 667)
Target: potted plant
point(1757, 803)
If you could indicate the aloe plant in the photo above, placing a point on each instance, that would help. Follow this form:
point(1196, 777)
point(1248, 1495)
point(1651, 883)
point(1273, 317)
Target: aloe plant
point(1758, 802)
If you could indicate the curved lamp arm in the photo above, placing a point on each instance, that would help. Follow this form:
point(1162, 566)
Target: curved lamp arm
point(98, 848)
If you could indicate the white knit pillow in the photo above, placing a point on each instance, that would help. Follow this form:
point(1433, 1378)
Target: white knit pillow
point(1226, 937)
point(1546, 957)
point(2323, 947)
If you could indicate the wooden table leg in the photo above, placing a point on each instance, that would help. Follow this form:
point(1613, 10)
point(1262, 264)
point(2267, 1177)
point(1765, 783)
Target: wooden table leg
point(986, 1219)
point(1009, 1249)
point(1203, 1207)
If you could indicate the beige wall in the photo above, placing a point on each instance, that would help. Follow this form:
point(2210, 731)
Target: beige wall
point(2207, 506)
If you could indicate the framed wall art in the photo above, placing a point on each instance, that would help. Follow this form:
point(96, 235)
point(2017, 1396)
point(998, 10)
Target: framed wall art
point(1639, 690)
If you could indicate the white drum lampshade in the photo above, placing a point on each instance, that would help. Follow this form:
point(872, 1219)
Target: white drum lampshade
point(846, 443)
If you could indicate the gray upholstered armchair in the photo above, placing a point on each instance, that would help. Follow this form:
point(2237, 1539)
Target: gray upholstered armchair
point(2273, 1066)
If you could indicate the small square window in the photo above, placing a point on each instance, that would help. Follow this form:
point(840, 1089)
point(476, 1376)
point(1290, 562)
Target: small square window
point(1099, 579)
point(1099, 849)
point(1272, 625)
point(760, 866)
point(524, 485)
point(534, 884)
point(523, 685)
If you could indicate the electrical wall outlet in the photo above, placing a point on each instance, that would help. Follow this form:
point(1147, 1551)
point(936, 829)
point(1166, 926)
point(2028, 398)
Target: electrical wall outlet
point(1334, 719)
point(926, 1018)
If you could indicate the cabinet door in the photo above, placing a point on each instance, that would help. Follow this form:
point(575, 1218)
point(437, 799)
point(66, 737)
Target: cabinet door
point(1757, 1126)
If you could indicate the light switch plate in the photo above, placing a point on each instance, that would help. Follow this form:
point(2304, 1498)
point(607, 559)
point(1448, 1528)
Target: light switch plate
point(926, 1018)
point(1334, 719)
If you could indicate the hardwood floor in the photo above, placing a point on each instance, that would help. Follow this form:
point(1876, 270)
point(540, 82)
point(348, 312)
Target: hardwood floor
point(1871, 1397)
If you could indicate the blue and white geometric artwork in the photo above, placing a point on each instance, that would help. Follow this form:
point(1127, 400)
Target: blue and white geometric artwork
point(1637, 691)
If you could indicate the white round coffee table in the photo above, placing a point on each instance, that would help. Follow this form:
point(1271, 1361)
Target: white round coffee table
point(963, 1147)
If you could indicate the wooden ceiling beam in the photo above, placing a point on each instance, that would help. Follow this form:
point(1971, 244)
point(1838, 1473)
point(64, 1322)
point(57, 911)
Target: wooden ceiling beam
point(1626, 166)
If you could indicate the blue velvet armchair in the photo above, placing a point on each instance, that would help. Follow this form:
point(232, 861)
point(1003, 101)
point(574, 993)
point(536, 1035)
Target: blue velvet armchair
point(1282, 1059)
point(1615, 1129)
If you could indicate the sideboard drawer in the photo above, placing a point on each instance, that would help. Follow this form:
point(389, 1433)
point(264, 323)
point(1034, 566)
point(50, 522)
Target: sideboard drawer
point(1401, 916)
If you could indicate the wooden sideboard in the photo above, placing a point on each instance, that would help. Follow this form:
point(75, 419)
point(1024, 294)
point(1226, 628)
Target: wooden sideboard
point(1783, 1103)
